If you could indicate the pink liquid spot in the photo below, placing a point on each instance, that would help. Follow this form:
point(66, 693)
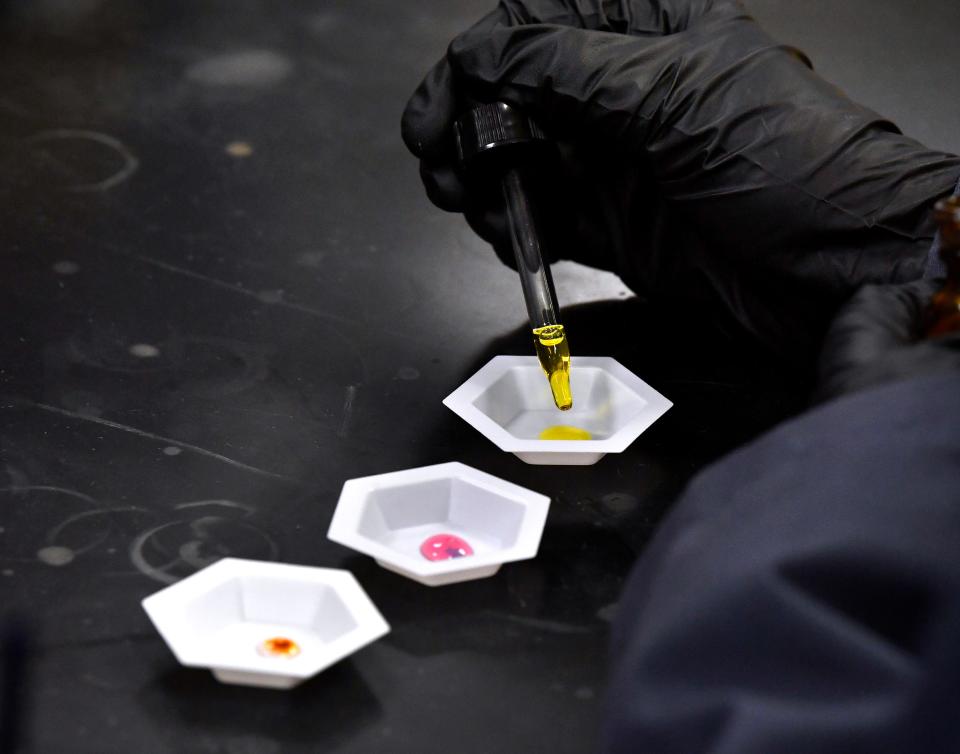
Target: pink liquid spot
point(445, 546)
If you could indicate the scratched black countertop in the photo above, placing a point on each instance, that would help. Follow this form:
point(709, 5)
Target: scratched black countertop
point(224, 293)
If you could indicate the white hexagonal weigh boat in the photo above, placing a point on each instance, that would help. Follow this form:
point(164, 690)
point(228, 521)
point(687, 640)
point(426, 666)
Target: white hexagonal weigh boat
point(264, 624)
point(440, 524)
point(509, 401)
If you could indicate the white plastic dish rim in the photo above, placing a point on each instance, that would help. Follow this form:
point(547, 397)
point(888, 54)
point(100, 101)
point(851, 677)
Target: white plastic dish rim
point(346, 518)
point(461, 402)
point(160, 606)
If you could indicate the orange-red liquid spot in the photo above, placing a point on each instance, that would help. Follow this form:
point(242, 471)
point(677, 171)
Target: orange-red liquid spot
point(280, 646)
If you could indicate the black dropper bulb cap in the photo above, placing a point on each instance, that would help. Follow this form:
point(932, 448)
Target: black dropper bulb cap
point(488, 129)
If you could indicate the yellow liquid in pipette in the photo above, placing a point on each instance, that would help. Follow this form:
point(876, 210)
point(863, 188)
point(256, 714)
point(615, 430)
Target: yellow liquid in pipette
point(564, 432)
point(553, 351)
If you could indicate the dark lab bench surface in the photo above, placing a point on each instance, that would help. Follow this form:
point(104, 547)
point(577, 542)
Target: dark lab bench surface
point(224, 294)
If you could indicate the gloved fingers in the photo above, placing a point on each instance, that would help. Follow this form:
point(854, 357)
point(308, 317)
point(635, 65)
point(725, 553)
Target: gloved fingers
point(573, 217)
point(427, 125)
point(876, 338)
point(490, 223)
point(880, 317)
point(636, 17)
point(443, 185)
point(466, 72)
point(427, 130)
point(569, 78)
point(673, 16)
point(428, 118)
point(582, 14)
point(427, 122)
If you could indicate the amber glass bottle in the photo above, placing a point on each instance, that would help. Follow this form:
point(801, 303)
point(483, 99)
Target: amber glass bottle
point(943, 316)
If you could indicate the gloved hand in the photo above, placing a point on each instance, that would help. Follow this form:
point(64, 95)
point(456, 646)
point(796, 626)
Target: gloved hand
point(877, 338)
point(695, 150)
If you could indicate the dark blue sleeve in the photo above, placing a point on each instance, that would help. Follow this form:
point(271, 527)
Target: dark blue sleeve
point(803, 597)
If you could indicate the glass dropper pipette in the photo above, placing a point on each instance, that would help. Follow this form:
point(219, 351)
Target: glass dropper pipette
point(499, 142)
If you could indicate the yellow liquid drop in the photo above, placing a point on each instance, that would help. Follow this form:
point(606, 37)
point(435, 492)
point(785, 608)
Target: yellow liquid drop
point(553, 351)
point(563, 432)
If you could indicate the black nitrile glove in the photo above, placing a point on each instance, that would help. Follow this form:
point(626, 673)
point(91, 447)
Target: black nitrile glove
point(695, 150)
point(877, 338)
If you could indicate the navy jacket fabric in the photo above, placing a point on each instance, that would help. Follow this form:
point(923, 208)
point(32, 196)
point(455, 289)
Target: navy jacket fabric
point(804, 595)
